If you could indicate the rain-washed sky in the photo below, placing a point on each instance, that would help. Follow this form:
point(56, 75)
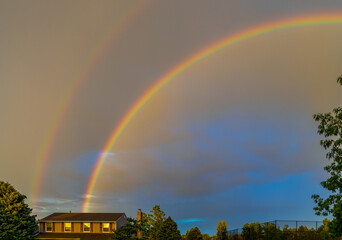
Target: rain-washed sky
point(232, 137)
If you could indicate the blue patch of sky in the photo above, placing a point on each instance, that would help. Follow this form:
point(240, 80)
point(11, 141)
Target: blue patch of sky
point(190, 220)
point(269, 197)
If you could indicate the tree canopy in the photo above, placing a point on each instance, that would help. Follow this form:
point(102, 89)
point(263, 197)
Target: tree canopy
point(169, 230)
point(16, 221)
point(155, 220)
point(221, 230)
point(130, 230)
point(330, 127)
point(194, 234)
point(153, 226)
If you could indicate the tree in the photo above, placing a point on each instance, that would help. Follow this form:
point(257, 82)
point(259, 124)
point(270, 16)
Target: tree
point(155, 220)
point(324, 229)
point(222, 231)
point(271, 231)
point(330, 127)
point(194, 234)
point(288, 233)
point(130, 229)
point(16, 221)
point(206, 236)
point(169, 230)
point(252, 231)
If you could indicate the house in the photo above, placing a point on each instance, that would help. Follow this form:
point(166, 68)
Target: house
point(80, 226)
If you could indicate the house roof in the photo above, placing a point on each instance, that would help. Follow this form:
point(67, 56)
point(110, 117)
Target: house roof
point(74, 236)
point(83, 217)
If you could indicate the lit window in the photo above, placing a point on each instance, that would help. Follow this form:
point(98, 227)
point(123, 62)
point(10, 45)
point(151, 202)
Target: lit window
point(105, 227)
point(48, 227)
point(86, 227)
point(67, 227)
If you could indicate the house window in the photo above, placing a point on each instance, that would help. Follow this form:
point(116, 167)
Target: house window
point(105, 227)
point(67, 227)
point(86, 227)
point(48, 227)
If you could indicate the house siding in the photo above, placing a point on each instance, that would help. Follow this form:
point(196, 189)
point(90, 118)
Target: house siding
point(41, 227)
point(96, 228)
point(120, 222)
point(77, 227)
point(58, 227)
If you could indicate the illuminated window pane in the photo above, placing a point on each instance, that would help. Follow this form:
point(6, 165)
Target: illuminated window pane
point(48, 227)
point(67, 227)
point(86, 227)
point(105, 227)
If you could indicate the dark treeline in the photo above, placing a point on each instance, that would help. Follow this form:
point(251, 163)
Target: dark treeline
point(270, 231)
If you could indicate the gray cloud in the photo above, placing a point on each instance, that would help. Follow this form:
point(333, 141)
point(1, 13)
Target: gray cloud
point(239, 118)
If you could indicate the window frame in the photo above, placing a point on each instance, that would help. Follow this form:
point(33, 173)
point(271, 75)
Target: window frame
point(65, 226)
point(103, 224)
point(89, 227)
point(46, 227)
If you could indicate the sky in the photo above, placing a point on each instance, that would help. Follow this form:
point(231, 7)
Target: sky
point(231, 137)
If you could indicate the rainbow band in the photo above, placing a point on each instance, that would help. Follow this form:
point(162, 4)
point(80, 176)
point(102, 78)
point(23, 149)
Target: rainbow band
point(179, 68)
point(66, 100)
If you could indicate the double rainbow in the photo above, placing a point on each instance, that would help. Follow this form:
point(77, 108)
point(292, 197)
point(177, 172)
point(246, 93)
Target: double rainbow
point(294, 22)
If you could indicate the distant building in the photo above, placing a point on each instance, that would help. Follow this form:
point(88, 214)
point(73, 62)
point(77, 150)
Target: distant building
point(80, 226)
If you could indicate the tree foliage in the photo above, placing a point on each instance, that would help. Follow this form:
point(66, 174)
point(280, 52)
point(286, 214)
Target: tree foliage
point(252, 231)
point(16, 221)
point(222, 231)
point(169, 230)
point(153, 226)
point(268, 231)
point(330, 127)
point(130, 229)
point(194, 234)
point(155, 220)
point(206, 236)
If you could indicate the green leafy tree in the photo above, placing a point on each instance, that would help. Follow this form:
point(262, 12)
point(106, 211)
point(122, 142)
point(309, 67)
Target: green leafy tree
point(155, 220)
point(330, 127)
point(194, 234)
point(271, 231)
point(16, 221)
point(130, 229)
point(222, 231)
point(288, 233)
point(303, 233)
point(169, 230)
point(252, 231)
point(324, 230)
point(206, 236)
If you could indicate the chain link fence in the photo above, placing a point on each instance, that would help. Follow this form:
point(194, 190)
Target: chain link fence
point(282, 230)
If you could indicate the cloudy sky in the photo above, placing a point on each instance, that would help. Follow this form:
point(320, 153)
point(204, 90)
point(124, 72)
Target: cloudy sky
point(232, 137)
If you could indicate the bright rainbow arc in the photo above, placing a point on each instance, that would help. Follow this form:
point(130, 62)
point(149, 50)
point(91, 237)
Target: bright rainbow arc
point(311, 20)
point(65, 102)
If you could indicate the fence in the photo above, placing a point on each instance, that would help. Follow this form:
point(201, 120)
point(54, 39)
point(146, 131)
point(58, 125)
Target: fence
point(281, 230)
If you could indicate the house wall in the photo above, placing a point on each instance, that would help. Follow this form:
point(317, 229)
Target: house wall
point(77, 227)
point(96, 227)
point(121, 221)
point(58, 227)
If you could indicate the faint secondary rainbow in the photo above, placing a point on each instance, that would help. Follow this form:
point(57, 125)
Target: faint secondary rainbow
point(96, 54)
point(294, 22)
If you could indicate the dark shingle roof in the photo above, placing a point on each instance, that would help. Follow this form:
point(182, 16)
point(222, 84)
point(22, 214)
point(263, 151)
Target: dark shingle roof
point(83, 217)
point(81, 236)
